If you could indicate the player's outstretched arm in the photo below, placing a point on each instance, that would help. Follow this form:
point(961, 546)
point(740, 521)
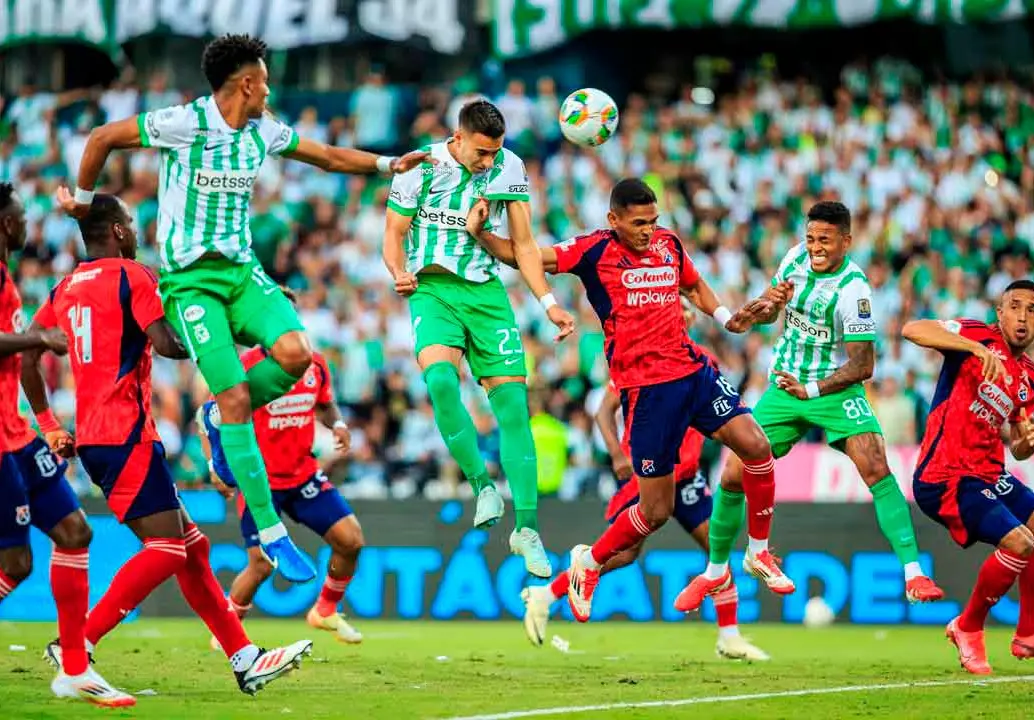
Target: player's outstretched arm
point(704, 298)
point(166, 341)
point(948, 337)
point(35, 338)
point(1021, 438)
point(396, 227)
point(120, 135)
point(606, 420)
point(502, 247)
point(354, 162)
point(529, 261)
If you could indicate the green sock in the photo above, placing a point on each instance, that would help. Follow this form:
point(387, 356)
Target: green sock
point(245, 459)
point(455, 424)
point(726, 522)
point(267, 381)
point(517, 450)
point(895, 520)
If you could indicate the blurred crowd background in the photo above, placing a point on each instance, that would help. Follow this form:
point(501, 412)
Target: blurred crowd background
point(938, 171)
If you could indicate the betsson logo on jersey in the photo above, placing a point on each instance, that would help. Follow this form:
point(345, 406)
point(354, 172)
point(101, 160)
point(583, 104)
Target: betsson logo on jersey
point(232, 181)
point(437, 216)
point(794, 320)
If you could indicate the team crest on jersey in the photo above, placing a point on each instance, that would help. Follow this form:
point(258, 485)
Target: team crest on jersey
point(310, 379)
point(193, 313)
point(864, 308)
point(18, 320)
point(1022, 392)
point(648, 467)
point(22, 516)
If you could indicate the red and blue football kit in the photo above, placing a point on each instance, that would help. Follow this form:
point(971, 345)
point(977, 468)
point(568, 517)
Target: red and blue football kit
point(960, 479)
point(33, 490)
point(666, 381)
point(286, 430)
point(104, 307)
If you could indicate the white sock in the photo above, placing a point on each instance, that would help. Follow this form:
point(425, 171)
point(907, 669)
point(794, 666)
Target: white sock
point(89, 646)
point(715, 570)
point(912, 570)
point(756, 546)
point(244, 658)
point(589, 561)
point(729, 631)
point(271, 534)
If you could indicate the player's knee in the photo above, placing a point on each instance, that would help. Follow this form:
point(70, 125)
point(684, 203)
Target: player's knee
point(293, 353)
point(755, 448)
point(235, 404)
point(443, 382)
point(874, 471)
point(656, 511)
point(732, 475)
point(17, 565)
point(1019, 542)
point(350, 542)
point(78, 536)
point(260, 567)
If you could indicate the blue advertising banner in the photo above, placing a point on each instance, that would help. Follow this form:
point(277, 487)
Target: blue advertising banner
point(423, 560)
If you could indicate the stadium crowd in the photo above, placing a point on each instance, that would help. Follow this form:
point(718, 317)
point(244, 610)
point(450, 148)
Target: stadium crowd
point(939, 175)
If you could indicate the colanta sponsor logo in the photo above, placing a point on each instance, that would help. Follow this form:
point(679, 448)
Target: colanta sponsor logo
point(292, 404)
point(639, 278)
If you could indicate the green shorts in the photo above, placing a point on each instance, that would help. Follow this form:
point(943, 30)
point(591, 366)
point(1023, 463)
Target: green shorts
point(475, 317)
point(785, 419)
point(216, 304)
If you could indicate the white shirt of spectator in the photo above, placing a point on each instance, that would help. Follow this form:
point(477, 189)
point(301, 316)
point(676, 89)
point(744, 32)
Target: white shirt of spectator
point(827, 310)
point(208, 171)
point(439, 197)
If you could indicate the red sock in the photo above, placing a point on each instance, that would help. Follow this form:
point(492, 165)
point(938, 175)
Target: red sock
point(759, 487)
point(204, 595)
point(560, 584)
point(70, 585)
point(331, 594)
point(160, 559)
point(996, 576)
point(725, 604)
point(626, 531)
point(1025, 627)
point(7, 585)
point(241, 609)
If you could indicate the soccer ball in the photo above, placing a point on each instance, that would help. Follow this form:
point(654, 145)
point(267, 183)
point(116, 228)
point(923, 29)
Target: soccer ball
point(818, 613)
point(588, 117)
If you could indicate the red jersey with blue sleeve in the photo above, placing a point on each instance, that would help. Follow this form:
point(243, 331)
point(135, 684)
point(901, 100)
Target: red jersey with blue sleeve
point(636, 296)
point(963, 433)
point(104, 307)
point(15, 431)
point(286, 427)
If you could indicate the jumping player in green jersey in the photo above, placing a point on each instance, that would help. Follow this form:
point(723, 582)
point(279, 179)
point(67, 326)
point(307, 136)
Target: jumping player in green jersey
point(459, 306)
point(826, 352)
point(215, 292)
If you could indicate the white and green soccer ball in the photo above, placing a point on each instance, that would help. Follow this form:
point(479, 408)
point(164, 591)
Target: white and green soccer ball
point(818, 613)
point(588, 117)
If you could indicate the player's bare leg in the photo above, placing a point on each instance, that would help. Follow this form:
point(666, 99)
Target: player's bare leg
point(440, 365)
point(237, 461)
point(869, 454)
point(345, 538)
point(997, 575)
point(508, 396)
point(629, 529)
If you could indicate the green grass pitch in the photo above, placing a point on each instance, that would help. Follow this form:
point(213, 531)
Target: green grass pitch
point(463, 669)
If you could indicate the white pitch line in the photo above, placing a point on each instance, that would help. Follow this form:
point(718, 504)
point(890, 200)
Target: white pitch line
point(542, 712)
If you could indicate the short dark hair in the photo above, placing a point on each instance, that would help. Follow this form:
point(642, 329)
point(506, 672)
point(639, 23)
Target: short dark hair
point(227, 54)
point(6, 196)
point(629, 192)
point(484, 118)
point(832, 212)
point(105, 211)
point(289, 294)
point(1019, 285)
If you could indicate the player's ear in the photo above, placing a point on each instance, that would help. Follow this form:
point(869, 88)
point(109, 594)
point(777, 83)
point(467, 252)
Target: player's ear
point(612, 218)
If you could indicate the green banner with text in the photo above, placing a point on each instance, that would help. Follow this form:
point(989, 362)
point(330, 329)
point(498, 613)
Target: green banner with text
point(523, 27)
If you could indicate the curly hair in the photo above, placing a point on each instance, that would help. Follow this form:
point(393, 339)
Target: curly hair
point(227, 54)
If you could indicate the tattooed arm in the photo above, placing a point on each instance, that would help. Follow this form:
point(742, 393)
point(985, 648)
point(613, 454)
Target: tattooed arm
point(861, 358)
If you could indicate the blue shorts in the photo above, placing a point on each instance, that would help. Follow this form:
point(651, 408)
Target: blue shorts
point(974, 509)
point(134, 478)
point(659, 415)
point(33, 491)
point(693, 503)
point(316, 504)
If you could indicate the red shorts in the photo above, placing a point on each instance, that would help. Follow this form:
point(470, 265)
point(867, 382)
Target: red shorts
point(134, 478)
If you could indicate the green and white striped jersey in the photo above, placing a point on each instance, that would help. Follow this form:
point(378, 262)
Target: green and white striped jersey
point(208, 170)
point(826, 311)
point(438, 198)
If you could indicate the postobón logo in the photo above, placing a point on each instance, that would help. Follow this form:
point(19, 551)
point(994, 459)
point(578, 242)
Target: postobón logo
point(231, 181)
point(439, 216)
